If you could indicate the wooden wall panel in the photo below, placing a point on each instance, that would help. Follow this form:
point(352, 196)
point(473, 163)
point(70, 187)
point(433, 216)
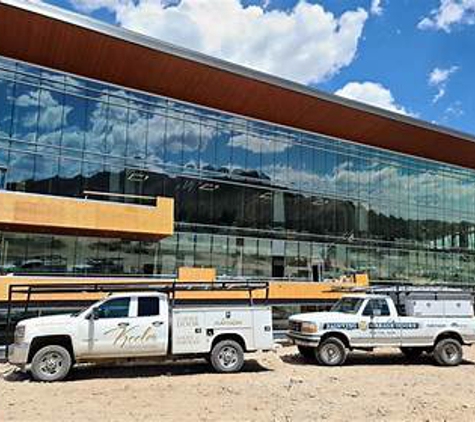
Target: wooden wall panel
point(59, 215)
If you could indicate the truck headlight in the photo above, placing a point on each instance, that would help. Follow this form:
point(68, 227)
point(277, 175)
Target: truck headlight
point(19, 333)
point(309, 328)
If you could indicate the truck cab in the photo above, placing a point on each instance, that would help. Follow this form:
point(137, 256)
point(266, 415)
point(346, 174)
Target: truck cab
point(368, 321)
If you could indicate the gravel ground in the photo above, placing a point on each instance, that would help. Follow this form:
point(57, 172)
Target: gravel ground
point(275, 386)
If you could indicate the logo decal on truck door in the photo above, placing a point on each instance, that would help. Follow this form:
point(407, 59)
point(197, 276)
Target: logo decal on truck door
point(128, 337)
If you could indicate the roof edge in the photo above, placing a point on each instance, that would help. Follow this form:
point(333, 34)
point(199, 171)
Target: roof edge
point(132, 37)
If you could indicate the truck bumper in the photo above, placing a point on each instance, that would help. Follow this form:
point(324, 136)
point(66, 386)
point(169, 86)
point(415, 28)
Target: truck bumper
point(18, 354)
point(301, 340)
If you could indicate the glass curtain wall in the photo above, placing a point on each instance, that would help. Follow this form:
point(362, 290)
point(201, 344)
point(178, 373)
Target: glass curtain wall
point(251, 198)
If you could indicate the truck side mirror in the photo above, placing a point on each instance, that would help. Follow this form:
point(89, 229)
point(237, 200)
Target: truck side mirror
point(94, 314)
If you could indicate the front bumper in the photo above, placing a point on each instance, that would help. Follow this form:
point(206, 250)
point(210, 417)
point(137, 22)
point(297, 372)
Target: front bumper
point(18, 354)
point(304, 340)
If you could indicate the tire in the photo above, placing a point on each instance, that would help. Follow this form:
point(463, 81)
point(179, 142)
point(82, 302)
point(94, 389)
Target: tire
point(51, 363)
point(448, 352)
point(412, 352)
point(308, 353)
point(227, 356)
point(332, 352)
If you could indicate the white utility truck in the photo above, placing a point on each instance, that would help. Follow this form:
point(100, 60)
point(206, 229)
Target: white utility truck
point(140, 325)
point(439, 323)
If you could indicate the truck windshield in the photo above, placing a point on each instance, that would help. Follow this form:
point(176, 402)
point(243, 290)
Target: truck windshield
point(348, 305)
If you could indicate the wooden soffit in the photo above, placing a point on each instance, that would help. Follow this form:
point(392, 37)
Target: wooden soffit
point(61, 40)
point(68, 216)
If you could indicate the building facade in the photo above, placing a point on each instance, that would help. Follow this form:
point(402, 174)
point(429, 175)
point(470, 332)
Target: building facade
point(252, 198)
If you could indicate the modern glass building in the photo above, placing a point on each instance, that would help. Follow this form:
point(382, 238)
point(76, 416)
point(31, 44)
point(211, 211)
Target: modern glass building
point(347, 188)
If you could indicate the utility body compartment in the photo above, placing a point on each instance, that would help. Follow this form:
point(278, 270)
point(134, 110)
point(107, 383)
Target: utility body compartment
point(439, 304)
point(195, 328)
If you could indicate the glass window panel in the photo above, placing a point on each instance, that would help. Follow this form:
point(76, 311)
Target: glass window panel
point(156, 131)
point(219, 254)
point(268, 149)
point(250, 257)
point(191, 145)
point(174, 137)
point(148, 306)
point(281, 163)
point(70, 181)
point(25, 116)
point(6, 106)
point(74, 131)
point(186, 250)
point(97, 126)
point(294, 169)
point(239, 148)
point(116, 130)
point(137, 128)
point(20, 171)
point(208, 146)
point(114, 308)
point(50, 119)
point(46, 169)
point(223, 148)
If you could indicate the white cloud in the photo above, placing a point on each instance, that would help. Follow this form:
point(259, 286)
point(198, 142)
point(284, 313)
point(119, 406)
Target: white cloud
point(258, 144)
point(91, 5)
point(448, 14)
point(372, 93)
point(305, 44)
point(439, 78)
point(376, 7)
point(454, 110)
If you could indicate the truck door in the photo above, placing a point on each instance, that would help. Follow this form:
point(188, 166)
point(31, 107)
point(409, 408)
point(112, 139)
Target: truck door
point(102, 332)
point(151, 326)
point(126, 327)
point(383, 326)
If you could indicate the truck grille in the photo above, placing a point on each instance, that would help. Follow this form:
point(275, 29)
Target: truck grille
point(295, 326)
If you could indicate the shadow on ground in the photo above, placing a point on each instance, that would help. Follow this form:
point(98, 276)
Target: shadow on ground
point(370, 359)
point(140, 370)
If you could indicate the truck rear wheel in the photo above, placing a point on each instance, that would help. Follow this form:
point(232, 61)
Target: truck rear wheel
point(227, 356)
point(51, 363)
point(308, 353)
point(332, 352)
point(448, 352)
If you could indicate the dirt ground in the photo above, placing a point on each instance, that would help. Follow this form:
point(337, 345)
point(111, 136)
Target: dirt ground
point(275, 386)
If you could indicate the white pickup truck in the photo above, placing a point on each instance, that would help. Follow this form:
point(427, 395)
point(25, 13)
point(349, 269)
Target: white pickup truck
point(368, 321)
point(126, 326)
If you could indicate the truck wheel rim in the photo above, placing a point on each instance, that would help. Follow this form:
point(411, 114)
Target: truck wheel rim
point(51, 363)
point(228, 357)
point(330, 354)
point(450, 352)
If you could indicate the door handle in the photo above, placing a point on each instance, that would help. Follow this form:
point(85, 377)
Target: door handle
point(123, 324)
point(157, 323)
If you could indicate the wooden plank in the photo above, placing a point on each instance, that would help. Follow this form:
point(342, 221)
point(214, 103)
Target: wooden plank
point(60, 215)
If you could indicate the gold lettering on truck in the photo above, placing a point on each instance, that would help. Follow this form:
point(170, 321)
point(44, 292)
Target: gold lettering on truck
point(127, 337)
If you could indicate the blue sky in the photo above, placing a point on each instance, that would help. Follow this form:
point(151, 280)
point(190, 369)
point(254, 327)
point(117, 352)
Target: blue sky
point(412, 56)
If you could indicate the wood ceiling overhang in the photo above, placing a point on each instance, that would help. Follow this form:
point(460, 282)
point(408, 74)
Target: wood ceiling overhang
point(58, 39)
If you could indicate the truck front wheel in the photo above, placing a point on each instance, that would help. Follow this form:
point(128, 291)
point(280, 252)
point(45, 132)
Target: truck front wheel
point(332, 352)
point(448, 352)
point(51, 363)
point(227, 356)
